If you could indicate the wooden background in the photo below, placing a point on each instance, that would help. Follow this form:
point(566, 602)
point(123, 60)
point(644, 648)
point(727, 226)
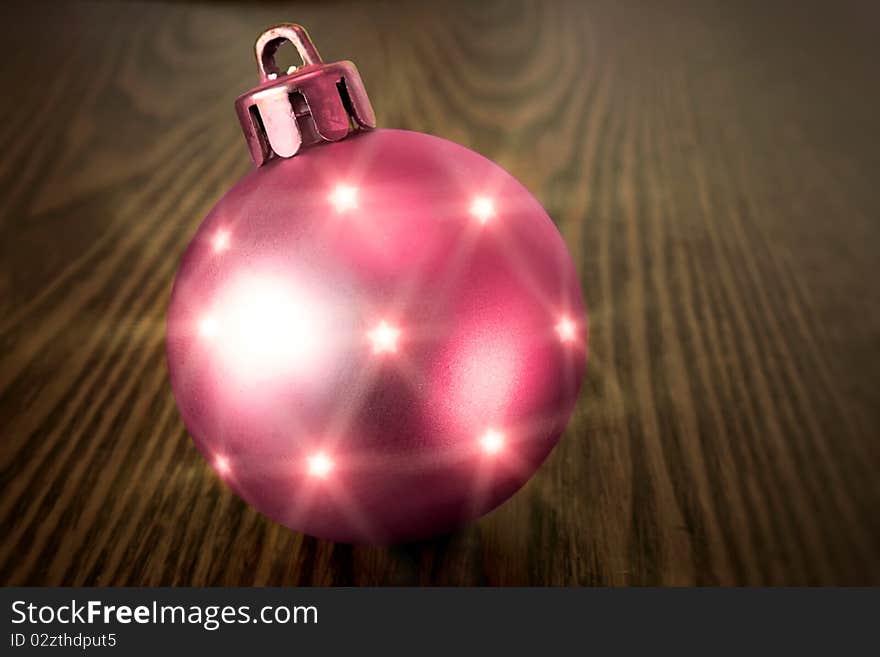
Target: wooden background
point(713, 166)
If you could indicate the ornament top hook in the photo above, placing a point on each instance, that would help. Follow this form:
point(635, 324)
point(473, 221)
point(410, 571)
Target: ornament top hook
point(303, 106)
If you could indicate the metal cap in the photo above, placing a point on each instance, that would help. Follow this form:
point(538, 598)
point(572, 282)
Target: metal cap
point(302, 106)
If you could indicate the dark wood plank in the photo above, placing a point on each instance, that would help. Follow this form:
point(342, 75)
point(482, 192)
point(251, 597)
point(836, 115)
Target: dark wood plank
point(713, 168)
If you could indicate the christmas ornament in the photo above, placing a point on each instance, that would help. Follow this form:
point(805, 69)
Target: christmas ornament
point(380, 338)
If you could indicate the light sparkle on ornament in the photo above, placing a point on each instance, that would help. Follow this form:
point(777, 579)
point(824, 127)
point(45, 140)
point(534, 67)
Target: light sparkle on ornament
point(221, 463)
point(220, 241)
point(483, 209)
point(566, 329)
point(384, 338)
point(208, 327)
point(320, 465)
point(344, 198)
point(492, 441)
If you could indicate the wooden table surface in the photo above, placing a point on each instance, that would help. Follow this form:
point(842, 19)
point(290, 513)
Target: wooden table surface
point(713, 166)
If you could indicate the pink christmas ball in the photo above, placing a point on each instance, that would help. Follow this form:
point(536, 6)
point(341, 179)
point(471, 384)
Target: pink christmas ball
point(377, 340)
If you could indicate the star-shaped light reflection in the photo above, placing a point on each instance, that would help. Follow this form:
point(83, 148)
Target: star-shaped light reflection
point(492, 441)
point(344, 198)
point(220, 241)
point(566, 329)
point(221, 463)
point(483, 209)
point(320, 465)
point(384, 338)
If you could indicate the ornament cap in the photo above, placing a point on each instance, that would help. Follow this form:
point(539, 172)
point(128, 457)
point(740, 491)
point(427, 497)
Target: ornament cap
point(303, 106)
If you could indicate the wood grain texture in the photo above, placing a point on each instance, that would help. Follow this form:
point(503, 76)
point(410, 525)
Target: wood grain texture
point(713, 167)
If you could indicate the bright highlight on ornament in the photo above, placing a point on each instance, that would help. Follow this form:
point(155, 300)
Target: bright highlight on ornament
point(566, 329)
point(221, 463)
point(320, 465)
point(343, 198)
point(208, 327)
point(384, 338)
point(265, 325)
point(492, 441)
point(483, 209)
point(220, 241)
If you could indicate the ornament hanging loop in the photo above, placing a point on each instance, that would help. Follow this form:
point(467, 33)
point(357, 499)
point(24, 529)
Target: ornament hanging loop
point(272, 39)
point(290, 110)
